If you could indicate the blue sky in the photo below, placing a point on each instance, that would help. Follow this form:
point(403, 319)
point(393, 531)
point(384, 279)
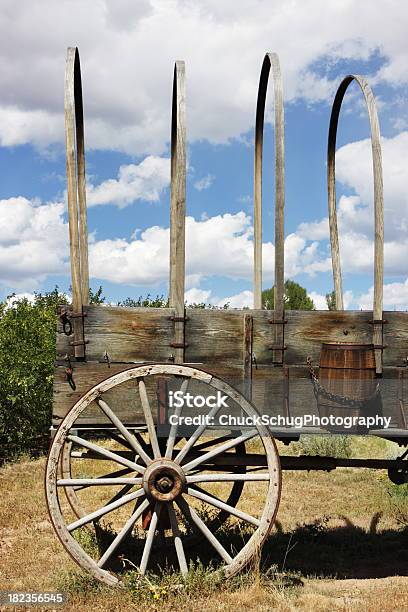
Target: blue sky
point(127, 102)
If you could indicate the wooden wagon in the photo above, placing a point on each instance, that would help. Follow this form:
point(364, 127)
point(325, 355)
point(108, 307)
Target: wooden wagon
point(126, 485)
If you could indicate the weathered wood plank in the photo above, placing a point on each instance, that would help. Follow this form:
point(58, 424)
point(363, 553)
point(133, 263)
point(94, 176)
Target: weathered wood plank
point(270, 386)
point(125, 334)
point(305, 332)
point(76, 192)
point(378, 203)
point(215, 336)
point(72, 193)
point(395, 333)
point(178, 207)
point(86, 376)
point(270, 63)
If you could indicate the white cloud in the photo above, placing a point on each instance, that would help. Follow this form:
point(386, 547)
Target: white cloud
point(356, 215)
point(244, 299)
point(12, 300)
point(216, 246)
point(33, 242)
point(395, 297)
point(318, 300)
point(314, 230)
point(128, 49)
point(197, 296)
point(204, 183)
point(34, 245)
point(144, 181)
point(19, 126)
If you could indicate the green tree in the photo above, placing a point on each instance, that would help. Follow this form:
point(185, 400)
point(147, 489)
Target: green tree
point(96, 297)
point(146, 302)
point(295, 297)
point(331, 300)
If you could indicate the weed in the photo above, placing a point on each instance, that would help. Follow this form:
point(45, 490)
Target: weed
point(398, 499)
point(324, 446)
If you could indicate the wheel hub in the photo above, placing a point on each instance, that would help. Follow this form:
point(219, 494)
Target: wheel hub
point(163, 480)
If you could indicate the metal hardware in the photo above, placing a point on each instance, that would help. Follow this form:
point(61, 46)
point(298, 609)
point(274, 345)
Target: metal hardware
point(182, 345)
point(65, 318)
point(277, 321)
point(107, 359)
point(69, 371)
point(277, 347)
point(343, 400)
point(254, 361)
point(178, 319)
point(66, 323)
point(79, 343)
point(378, 321)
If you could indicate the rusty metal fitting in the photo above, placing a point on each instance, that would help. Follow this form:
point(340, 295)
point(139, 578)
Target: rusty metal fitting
point(163, 480)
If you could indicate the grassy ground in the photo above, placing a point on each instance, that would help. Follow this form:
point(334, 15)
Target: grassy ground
point(340, 543)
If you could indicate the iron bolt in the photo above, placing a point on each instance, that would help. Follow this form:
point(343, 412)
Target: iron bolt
point(164, 484)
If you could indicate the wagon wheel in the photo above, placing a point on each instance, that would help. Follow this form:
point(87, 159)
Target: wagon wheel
point(178, 488)
point(78, 509)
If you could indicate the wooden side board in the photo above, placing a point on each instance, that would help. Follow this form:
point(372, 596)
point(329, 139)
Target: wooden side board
point(217, 336)
point(275, 390)
point(125, 334)
point(217, 341)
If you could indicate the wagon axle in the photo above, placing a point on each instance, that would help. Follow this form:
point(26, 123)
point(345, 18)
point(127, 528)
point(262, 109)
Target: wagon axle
point(164, 480)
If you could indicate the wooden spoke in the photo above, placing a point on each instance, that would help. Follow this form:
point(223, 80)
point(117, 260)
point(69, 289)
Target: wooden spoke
point(178, 544)
point(146, 447)
point(117, 474)
point(121, 493)
point(123, 533)
point(149, 419)
point(220, 449)
point(214, 501)
point(125, 432)
point(212, 442)
point(173, 430)
point(149, 538)
point(194, 437)
point(106, 453)
point(195, 520)
point(226, 477)
point(119, 439)
point(105, 509)
point(92, 482)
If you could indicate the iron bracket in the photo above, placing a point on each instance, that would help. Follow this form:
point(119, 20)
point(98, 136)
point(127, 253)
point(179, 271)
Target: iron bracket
point(277, 321)
point(182, 345)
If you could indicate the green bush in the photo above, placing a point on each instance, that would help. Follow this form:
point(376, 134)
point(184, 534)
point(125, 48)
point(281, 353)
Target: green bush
point(27, 352)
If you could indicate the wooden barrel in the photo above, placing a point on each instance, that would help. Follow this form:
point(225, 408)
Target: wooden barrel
point(347, 370)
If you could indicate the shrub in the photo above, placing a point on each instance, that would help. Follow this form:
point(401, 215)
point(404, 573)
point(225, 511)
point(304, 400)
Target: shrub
point(27, 352)
point(324, 446)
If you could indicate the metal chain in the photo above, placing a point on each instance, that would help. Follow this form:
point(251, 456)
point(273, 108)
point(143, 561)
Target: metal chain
point(343, 400)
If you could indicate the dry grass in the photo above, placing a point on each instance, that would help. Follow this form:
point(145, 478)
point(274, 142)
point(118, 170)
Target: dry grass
point(328, 527)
